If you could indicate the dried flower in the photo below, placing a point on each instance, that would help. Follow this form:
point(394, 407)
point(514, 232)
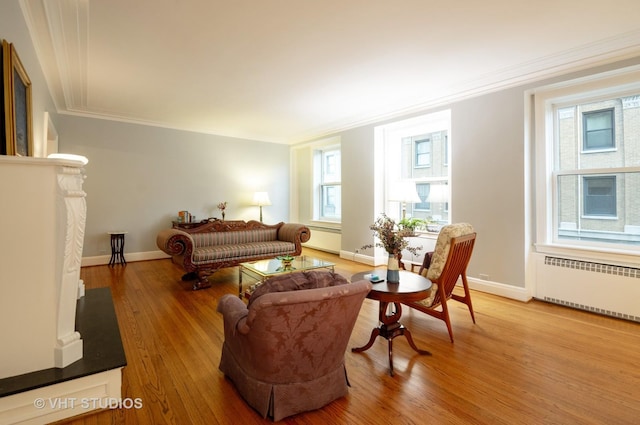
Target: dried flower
point(222, 205)
point(391, 237)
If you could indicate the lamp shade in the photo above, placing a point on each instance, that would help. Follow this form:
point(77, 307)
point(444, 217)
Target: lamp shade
point(405, 191)
point(261, 198)
point(438, 193)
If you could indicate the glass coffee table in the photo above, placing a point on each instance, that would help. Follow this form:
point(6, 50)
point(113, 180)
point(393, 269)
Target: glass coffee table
point(261, 270)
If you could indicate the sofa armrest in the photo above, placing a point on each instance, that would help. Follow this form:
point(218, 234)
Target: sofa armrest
point(294, 232)
point(234, 312)
point(175, 242)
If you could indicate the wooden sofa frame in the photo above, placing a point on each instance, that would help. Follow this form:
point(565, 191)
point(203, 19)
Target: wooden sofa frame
point(179, 243)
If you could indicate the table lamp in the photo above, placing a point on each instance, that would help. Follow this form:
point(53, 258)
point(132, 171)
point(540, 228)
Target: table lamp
point(261, 199)
point(404, 191)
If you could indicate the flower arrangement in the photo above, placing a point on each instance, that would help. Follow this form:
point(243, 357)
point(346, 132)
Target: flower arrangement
point(222, 206)
point(391, 237)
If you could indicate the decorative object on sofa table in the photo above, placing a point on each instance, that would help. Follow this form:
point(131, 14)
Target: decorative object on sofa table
point(286, 261)
point(184, 217)
point(261, 199)
point(222, 206)
point(392, 239)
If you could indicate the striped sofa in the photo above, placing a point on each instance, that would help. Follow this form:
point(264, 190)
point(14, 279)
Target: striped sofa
point(215, 244)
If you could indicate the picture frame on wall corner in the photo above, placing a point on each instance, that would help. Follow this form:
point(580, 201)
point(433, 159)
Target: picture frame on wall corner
point(3, 115)
point(18, 124)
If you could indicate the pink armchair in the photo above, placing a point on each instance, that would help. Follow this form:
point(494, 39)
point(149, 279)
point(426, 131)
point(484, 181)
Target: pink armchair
point(285, 351)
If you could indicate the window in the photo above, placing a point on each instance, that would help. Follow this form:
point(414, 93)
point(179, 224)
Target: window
point(598, 130)
point(416, 150)
point(588, 164)
point(329, 193)
point(599, 196)
point(423, 153)
point(445, 150)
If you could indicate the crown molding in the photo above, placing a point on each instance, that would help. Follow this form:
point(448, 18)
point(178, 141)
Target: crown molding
point(599, 53)
point(68, 26)
point(59, 31)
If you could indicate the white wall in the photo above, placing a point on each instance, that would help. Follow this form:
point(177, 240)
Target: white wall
point(139, 177)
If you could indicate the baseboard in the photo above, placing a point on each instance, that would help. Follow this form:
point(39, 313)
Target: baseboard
point(102, 260)
point(500, 289)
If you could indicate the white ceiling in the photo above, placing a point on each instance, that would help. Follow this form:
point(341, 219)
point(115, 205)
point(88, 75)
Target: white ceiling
point(287, 71)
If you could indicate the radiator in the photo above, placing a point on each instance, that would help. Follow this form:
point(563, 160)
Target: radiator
point(606, 289)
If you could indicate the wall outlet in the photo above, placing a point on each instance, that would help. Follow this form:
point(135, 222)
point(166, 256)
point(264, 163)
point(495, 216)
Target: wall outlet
point(484, 276)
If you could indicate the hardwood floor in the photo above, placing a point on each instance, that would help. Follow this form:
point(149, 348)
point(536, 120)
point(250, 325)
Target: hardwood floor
point(522, 363)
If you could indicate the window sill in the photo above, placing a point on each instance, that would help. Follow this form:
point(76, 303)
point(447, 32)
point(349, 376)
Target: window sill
point(326, 225)
point(425, 235)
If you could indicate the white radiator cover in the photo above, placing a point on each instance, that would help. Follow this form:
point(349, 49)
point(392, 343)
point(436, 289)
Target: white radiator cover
point(600, 288)
point(324, 240)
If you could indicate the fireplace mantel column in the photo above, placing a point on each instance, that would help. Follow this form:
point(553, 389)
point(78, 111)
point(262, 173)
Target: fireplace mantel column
point(72, 216)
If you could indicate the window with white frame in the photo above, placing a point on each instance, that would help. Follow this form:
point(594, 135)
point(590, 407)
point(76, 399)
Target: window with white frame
point(588, 164)
point(422, 148)
point(599, 196)
point(328, 189)
point(599, 131)
point(417, 150)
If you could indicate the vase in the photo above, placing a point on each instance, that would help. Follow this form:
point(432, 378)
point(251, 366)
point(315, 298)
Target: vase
point(393, 269)
point(222, 215)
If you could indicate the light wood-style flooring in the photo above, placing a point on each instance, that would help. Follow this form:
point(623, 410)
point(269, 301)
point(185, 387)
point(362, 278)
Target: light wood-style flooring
point(522, 363)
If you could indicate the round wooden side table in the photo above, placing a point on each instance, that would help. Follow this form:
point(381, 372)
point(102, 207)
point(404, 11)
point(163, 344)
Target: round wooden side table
point(412, 287)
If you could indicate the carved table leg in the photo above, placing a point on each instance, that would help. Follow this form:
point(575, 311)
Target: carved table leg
point(389, 329)
point(374, 333)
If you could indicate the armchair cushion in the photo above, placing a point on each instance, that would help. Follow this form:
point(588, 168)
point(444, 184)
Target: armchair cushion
point(298, 280)
point(441, 251)
point(428, 302)
point(434, 261)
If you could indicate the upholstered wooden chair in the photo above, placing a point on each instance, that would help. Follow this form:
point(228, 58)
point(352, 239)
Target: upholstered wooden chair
point(444, 266)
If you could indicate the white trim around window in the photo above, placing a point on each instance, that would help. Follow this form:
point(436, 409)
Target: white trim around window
point(544, 101)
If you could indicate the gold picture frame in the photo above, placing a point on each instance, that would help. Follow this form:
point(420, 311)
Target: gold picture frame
point(18, 125)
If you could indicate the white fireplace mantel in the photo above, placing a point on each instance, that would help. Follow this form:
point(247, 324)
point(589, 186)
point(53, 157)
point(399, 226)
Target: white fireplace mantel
point(43, 222)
